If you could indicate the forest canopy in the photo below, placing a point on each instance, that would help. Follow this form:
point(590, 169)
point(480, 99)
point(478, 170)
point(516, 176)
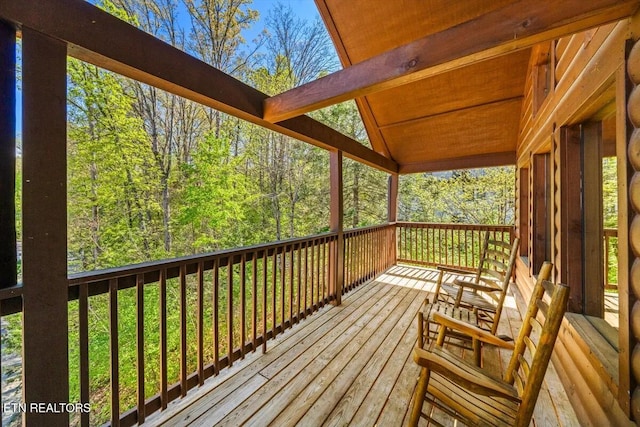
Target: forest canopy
point(153, 176)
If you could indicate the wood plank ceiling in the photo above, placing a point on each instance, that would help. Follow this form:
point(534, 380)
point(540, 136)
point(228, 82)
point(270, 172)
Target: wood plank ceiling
point(440, 84)
point(466, 117)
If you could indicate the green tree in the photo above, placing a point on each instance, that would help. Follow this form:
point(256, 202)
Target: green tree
point(480, 196)
point(610, 192)
point(216, 198)
point(112, 205)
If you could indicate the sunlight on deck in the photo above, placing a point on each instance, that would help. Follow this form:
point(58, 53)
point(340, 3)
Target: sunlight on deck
point(345, 365)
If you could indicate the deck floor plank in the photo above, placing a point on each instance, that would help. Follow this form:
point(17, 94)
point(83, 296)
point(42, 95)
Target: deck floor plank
point(325, 348)
point(346, 365)
point(283, 347)
point(378, 393)
point(362, 371)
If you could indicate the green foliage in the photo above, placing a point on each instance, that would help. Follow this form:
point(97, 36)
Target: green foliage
point(216, 198)
point(483, 196)
point(610, 214)
point(111, 173)
point(610, 192)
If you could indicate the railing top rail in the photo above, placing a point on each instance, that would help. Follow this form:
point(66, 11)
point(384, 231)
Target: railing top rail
point(466, 226)
point(150, 266)
point(12, 292)
point(368, 228)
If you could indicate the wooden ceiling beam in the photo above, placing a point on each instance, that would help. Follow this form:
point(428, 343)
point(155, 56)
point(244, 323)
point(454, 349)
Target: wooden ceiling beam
point(378, 144)
point(469, 162)
point(516, 26)
point(99, 38)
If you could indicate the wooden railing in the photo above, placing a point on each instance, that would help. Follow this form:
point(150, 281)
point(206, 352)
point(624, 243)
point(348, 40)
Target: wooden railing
point(228, 304)
point(454, 245)
point(610, 259)
point(224, 304)
point(166, 326)
point(368, 252)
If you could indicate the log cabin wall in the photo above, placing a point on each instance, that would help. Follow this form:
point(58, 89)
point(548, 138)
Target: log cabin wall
point(574, 85)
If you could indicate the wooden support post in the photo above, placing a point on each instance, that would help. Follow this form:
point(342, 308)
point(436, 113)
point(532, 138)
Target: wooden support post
point(592, 219)
point(392, 215)
point(45, 317)
point(336, 258)
point(8, 257)
point(392, 198)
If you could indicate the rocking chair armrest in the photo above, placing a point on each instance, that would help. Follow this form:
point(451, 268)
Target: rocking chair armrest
point(463, 373)
point(473, 331)
point(443, 268)
point(476, 286)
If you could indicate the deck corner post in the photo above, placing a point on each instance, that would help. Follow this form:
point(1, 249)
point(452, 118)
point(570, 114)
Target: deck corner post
point(8, 255)
point(392, 216)
point(336, 261)
point(44, 202)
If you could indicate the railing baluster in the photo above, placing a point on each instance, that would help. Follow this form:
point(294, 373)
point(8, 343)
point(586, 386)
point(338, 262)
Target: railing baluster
point(243, 303)
point(374, 251)
point(164, 398)
point(473, 245)
point(451, 247)
point(321, 270)
point(283, 284)
point(315, 295)
point(140, 344)
point(306, 279)
point(83, 324)
point(422, 244)
point(299, 268)
point(347, 260)
point(183, 330)
point(361, 255)
point(200, 323)
point(410, 230)
point(216, 316)
point(274, 268)
point(254, 301)
point(357, 258)
point(114, 351)
point(291, 285)
point(230, 309)
point(264, 300)
point(368, 257)
point(466, 248)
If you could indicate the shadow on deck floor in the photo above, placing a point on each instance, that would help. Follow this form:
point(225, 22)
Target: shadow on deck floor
point(346, 365)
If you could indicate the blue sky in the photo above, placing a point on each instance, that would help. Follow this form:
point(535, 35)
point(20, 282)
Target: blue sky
point(305, 9)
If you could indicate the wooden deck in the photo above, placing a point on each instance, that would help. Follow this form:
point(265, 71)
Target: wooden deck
point(346, 365)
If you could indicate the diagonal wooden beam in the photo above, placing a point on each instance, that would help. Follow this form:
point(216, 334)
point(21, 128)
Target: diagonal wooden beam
point(99, 38)
point(518, 25)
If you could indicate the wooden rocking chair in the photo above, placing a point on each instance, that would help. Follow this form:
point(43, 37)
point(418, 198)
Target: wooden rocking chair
point(484, 290)
point(467, 393)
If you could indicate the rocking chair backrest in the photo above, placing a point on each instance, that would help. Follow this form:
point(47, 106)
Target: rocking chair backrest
point(527, 372)
point(500, 260)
